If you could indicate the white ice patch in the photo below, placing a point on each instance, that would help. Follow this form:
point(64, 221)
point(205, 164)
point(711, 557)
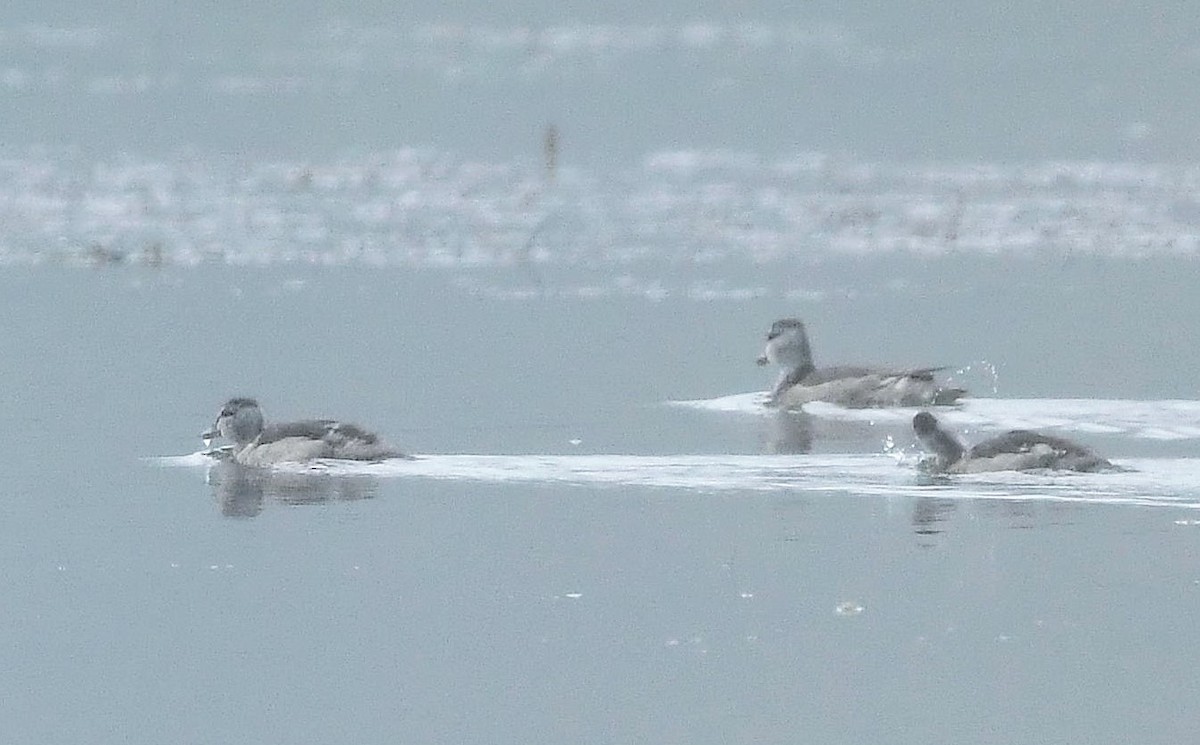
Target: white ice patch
point(1149, 420)
point(699, 208)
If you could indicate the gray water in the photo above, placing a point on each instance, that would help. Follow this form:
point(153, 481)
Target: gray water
point(147, 604)
point(353, 213)
point(1023, 80)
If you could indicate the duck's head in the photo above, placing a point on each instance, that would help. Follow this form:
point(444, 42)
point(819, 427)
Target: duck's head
point(924, 424)
point(787, 344)
point(944, 445)
point(240, 421)
point(785, 326)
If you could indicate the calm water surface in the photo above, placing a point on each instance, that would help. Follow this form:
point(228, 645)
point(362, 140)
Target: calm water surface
point(148, 603)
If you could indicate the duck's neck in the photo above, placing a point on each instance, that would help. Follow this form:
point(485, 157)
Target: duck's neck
point(790, 376)
point(793, 350)
point(794, 357)
point(947, 448)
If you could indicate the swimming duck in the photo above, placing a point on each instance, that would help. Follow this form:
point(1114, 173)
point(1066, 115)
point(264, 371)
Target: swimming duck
point(853, 387)
point(1015, 450)
point(258, 444)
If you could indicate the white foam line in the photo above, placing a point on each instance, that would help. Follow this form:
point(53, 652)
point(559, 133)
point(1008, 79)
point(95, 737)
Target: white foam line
point(1153, 482)
point(1170, 419)
point(192, 460)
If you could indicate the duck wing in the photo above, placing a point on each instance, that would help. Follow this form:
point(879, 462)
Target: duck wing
point(844, 372)
point(823, 375)
point(344, 432)
point(1023, 440)
point(332, 439)
point(1056, 452)
point(329, 430)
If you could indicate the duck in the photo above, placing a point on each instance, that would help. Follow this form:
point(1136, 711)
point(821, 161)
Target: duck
point(255, 443)
point(800, 381)
point(1015, 450)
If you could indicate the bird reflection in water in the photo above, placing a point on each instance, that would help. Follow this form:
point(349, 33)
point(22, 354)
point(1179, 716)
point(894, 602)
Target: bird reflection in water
point(243, 491)
point(929, 514)
point(787, 433)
